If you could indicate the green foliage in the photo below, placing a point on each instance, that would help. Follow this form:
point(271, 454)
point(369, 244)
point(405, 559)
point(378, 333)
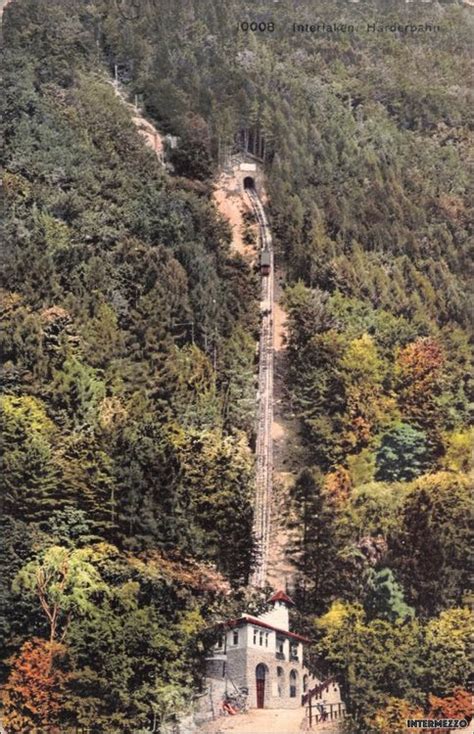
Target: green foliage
point(191, 159)
point(459, 450)
point(385, 599)
point(238, 381)
point(375, 658)
point(128, 328)
point(431, 544)
point(315, 551)
point(403, 454)
point(29, 476)
point(375, 507)
point(189, 381)
point(64, 580)
point(447, 644)
point(127, 334)
point(379, 660)
point(131, 635)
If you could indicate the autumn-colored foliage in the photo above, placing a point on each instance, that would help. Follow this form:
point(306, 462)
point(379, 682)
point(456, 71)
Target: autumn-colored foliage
point(338, 484)
point(128, 332)
point(34, 692)
point(457, 706)
point(420, 361)
point(392, 717)
point(418, 368)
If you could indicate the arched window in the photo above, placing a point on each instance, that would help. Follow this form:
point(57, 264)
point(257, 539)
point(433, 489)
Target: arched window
point(293, 683)
point(281, 681)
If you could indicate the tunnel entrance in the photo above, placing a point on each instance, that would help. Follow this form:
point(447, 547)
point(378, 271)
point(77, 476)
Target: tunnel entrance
point(249, 182)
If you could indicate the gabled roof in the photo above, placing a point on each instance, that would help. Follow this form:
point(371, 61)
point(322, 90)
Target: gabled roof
point(247, 619)
point(281, 596)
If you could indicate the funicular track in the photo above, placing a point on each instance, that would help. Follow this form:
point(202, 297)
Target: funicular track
point(264, 452)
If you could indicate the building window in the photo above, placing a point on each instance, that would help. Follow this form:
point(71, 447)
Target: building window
point(280, 681)
point(255, 633)
point(280, 648)
point(305, 683)
point(261, 638)
point(293, 651)
point(293, 683)
point(266, 639)
point(235, 637)
point(220, 641)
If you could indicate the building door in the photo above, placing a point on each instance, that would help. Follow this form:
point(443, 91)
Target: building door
point(260, 679)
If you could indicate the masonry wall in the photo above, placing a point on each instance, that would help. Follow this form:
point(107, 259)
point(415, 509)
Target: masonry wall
point(241, 649)
point(241, 667)
point(242, 166)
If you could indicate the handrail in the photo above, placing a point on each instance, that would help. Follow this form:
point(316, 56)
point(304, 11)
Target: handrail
point(318, 690)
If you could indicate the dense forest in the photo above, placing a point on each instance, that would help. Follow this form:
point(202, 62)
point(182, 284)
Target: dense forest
point(128, 335)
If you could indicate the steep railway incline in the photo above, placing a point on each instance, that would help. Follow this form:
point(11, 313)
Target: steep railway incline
point(264, 447)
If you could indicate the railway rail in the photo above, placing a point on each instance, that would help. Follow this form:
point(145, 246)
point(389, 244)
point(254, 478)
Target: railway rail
point(264, 447)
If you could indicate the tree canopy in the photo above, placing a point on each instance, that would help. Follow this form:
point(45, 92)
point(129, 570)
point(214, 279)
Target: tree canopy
point(128, 341)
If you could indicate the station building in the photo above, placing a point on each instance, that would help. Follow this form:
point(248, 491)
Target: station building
point(261, 656)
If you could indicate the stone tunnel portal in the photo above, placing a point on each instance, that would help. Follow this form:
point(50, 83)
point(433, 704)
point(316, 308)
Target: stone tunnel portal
point(249, 182)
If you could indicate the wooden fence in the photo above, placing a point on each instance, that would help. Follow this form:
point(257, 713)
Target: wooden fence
point(317, 709)
point(321, 712)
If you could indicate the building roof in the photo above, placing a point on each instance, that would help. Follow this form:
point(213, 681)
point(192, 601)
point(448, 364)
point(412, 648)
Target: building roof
point(281, 596)
point(247, 619)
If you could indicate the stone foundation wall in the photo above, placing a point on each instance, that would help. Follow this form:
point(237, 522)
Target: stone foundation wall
point(241, 668)
point(237, 667)
point(207, 705)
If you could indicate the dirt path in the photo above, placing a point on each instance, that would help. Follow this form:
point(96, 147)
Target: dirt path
point(151, 136)
point(149, 133)
point(269, 721)
point(259, 721)
point(233, 206)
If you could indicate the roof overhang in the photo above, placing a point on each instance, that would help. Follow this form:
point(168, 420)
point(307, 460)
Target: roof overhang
point(247, 619)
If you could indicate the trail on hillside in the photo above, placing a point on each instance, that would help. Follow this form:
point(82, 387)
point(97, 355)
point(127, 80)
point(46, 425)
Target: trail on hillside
point(277, 449)
point(151, 135)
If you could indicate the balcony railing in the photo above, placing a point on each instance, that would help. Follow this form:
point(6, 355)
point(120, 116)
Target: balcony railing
point(294, 657)
point(280, 655)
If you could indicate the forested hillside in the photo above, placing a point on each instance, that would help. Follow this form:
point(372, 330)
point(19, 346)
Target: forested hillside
point(128, 344)
point(128, 339)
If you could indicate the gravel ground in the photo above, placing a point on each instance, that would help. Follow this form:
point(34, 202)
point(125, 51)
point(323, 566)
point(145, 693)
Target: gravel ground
point(259, 721)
